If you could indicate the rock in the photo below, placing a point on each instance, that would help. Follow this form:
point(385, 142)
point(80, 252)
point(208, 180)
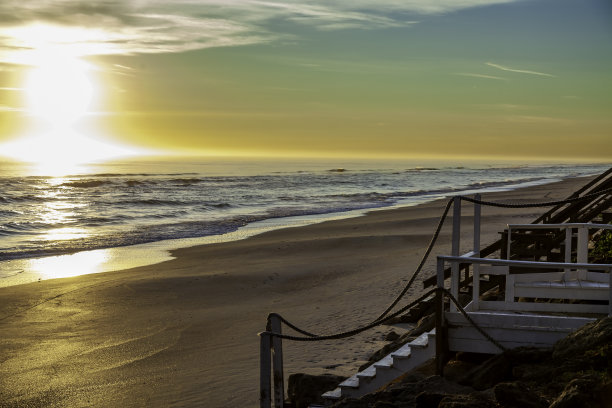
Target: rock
point(474, 400)
point(304, 389)
point(500, 367)
point(429, 399)
point(580, 392)
point(392, 336)
point(589, 337)
point(516, 395)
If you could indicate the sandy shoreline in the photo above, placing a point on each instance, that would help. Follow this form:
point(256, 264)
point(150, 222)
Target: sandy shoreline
point(183, 332)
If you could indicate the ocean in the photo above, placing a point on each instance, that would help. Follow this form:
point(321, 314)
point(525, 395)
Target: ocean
point(126, 203)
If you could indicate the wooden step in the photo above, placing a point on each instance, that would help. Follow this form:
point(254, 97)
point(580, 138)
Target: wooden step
point(385, 370)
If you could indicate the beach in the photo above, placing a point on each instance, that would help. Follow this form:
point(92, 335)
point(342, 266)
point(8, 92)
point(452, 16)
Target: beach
point(183, 333)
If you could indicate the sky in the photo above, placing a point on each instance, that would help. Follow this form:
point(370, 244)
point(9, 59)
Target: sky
point(318, 78)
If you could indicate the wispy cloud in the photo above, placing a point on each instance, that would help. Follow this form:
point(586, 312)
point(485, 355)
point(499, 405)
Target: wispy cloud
point(158, 26)
point(468, 74)
point(520, 71)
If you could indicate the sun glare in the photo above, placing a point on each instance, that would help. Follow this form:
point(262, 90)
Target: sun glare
point(58, 90)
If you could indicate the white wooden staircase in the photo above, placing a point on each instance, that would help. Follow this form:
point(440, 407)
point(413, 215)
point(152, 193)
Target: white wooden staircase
point(410, 356)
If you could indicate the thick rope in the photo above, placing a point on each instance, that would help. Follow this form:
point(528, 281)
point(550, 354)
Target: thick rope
point(542, 204)
point(416, 273)
point(349, 333)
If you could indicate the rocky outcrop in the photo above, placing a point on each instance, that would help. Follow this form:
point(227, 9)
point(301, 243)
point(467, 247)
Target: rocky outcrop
point(576, 372)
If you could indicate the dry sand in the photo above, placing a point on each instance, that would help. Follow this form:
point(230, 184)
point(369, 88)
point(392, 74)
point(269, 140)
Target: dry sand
point(183, 333)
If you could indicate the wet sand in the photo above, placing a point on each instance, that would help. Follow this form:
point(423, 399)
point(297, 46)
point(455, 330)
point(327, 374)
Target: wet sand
point(183, 333)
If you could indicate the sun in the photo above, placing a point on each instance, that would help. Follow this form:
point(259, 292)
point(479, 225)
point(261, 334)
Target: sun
point(58, 90)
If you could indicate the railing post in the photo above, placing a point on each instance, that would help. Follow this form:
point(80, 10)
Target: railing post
point(476, 250)
point(568, 251)
point(277, 362)
point(508, 242)
point(477, 212)
point(455, 249)
point(440, 334)
point(582, 250)
point(264, 370)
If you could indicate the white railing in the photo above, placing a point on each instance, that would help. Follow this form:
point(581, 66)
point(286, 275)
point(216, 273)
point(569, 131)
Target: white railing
point(596, 286)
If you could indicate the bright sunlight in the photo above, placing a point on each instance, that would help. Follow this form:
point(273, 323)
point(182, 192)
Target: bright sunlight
point(59, 88)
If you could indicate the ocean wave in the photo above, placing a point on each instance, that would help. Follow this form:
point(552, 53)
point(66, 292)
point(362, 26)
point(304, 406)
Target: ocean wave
point(84, 183)
point(187, 181)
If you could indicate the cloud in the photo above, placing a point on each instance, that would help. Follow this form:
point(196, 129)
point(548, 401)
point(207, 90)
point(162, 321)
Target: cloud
point(481, 76)
point(158, 26)
point(520, 71)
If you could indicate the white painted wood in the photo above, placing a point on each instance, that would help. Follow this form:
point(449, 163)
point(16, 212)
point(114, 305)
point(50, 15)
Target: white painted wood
point(494, 270)
point(384, 362)
point(568, 248)
point(420, 342)
point(403, 352)
point(265, 367)
point(277, 362)
point(543, 307)
point(483, 346)
point(539, 277)
point(509, 295)
point(475, 286)
point(527, 336)
point(335, 394)
point(395, 364)
point(351, 382)
point(582, 249)
point(477, 212)
point(506, 318)
point(455, 248)
point(552, 290)
point(367, 374)
point(509, 240)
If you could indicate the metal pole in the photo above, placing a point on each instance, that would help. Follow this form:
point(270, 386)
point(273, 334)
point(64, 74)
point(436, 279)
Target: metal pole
point(264, 370)
point(277, 362)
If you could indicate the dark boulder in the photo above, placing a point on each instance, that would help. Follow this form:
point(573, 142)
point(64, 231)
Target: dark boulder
point(517, 395)
point(305, 389)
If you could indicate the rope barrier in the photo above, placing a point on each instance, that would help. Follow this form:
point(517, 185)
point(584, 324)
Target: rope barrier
point(385, 316)
point(542, 204)
point(353, 332)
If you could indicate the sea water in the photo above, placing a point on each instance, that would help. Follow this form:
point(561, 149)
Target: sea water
point(122, 205)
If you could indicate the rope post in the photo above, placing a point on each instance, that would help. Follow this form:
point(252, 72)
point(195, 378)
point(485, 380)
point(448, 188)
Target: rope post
point(264, 370)
point(440, 335)
point(277, 361)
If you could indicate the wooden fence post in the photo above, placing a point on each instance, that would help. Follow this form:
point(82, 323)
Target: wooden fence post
point(277, 362)
point(264, 370)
